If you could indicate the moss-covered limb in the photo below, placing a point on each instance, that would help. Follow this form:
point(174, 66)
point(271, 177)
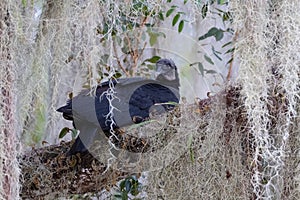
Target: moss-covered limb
point(9, 187)
point(217, 135)
point(48, 172)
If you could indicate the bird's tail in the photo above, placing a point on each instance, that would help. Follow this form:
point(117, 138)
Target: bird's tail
point(67, 110)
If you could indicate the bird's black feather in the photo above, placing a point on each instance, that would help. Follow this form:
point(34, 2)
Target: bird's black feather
point(89, 113)
point(148, 95)
point(67, 110)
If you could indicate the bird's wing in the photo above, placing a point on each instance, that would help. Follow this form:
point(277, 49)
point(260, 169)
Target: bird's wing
point(90, 107)
point(149, 95)
point(123, 89)
point(136, 99)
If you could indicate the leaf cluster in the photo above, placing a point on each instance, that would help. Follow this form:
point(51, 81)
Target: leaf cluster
point(212, 6)
point(130, 186)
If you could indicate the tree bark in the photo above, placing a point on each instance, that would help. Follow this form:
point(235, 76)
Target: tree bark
point(8, 152)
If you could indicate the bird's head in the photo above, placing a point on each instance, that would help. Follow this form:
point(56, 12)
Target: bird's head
point(166, 70)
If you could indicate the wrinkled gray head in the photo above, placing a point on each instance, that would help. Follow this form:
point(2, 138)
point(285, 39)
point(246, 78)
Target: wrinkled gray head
point(166, 70)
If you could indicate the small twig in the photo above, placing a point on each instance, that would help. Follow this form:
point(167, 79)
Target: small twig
point(118, 60)
point(231, 63)
point(142, 51)
point(129, 46)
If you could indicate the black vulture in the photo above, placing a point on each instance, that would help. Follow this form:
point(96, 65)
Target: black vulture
point(120, 103)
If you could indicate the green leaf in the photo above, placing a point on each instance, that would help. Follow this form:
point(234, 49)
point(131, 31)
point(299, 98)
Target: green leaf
point(180, 12)
point(63, 132)
point(161, 16)
point(211, 71)
point(74, 133)
point(185, 1)
point(153, 39)
point(175, 19)
point(122, 185)
point(221, 2)
point(216, 53)
point(169, 1)
point(180, 26)
point(228, 43)
point(154, 59)
point(124, 196)
point(104, 59)
point(229, 61)
point(117, 75)
point(118, 196)
point(213, 49)
point(106, 74)
point(125, 49)
point(229, 51)
point(217, 56)
point(211, 32)
point(219, 35)
point(226, 16)
point(204, 10)
point(134, 189)
point(137, 5)
point(211, 2)
point(151, 67)
point(114, 32)
point(201, 68)
point(24, 3)
point(208, 59)
point(145, 10)
point(169, 12)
